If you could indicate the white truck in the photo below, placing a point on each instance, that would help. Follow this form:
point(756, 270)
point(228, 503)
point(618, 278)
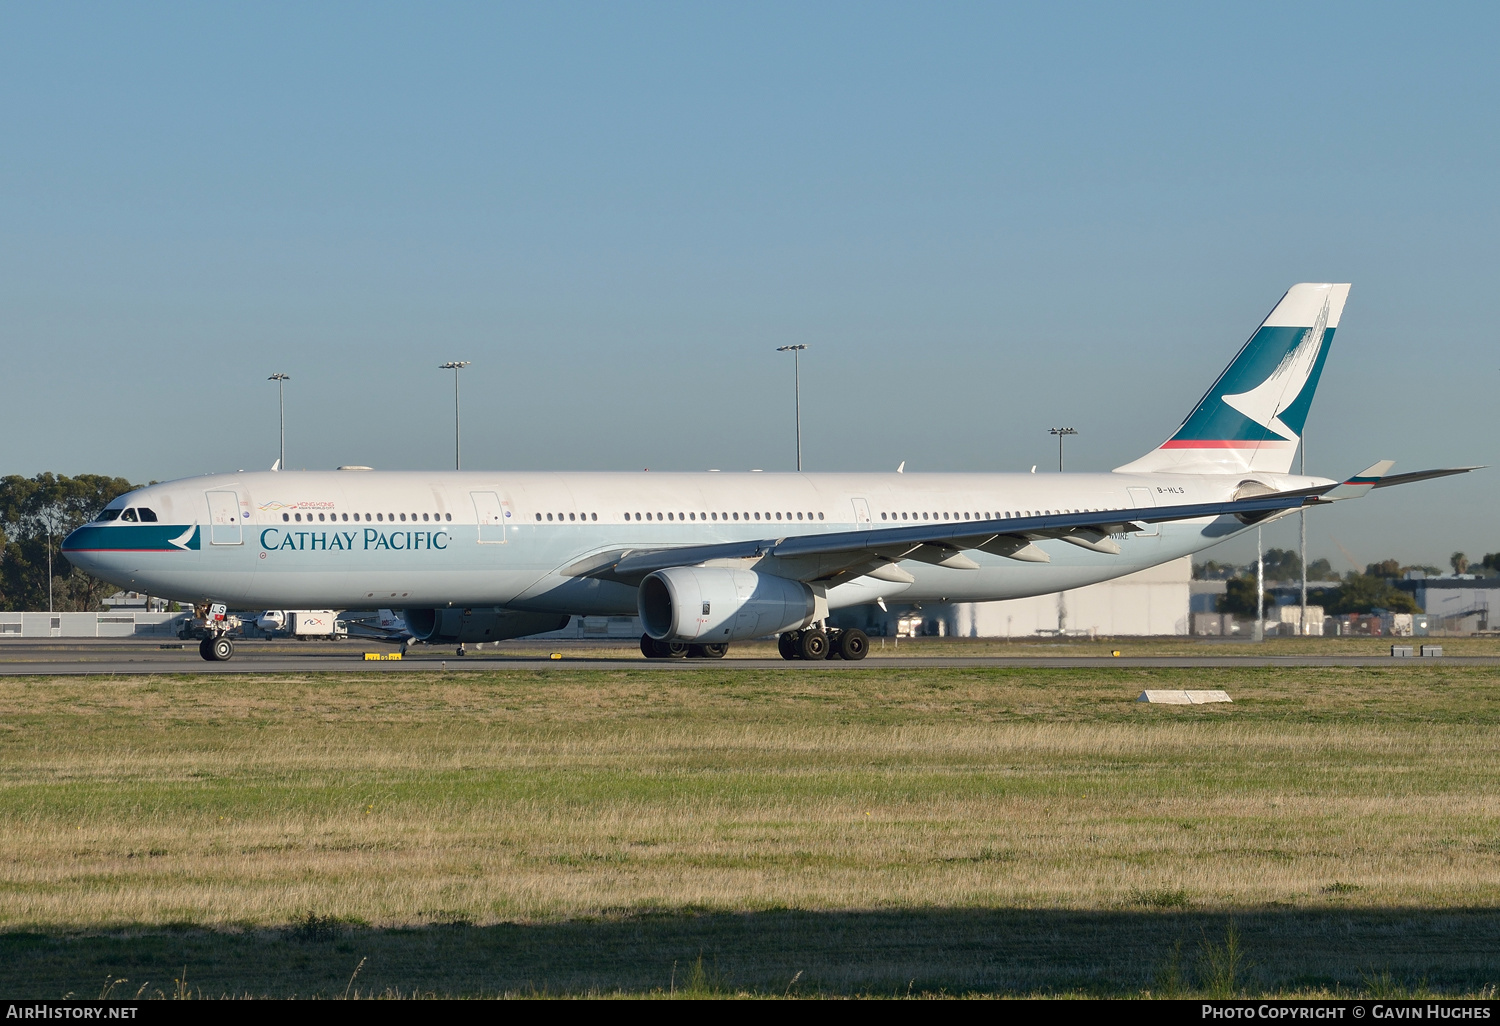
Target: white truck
point(302, 623)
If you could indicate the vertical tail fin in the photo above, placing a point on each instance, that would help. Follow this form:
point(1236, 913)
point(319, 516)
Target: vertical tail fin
point(1252, 417)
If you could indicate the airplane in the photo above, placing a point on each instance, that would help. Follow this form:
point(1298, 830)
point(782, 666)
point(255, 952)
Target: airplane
point(709, 559)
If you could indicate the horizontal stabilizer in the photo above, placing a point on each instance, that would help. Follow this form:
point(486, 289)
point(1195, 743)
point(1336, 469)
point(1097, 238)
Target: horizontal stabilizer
point(1422, 475)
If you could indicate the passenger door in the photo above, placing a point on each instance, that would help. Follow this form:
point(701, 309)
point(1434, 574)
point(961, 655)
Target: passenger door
point(491, 514)
point(224, 519)
point(861, 513)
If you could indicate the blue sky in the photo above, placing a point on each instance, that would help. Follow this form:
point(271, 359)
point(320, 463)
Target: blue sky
point(982, 220)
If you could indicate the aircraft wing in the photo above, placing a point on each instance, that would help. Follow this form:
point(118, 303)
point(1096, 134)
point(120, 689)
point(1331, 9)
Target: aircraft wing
point(844, 555)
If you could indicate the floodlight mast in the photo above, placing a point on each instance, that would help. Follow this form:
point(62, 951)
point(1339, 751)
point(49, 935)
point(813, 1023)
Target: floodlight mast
point(1061, 433)
point(796, 352)
point(455, 366)
point(281, 379)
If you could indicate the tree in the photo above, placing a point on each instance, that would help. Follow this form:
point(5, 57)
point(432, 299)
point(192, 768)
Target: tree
point(1321, 570)
point(1459, 562)
point(1283, 565)
point(1239, 597)
point(1365, 593)
point(1213, 570)
point(35, 515)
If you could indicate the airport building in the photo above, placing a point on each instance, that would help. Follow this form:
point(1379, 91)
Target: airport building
point(112, 624)
point(1154, 601)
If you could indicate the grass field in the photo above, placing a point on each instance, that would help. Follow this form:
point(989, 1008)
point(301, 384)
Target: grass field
point(798, 830)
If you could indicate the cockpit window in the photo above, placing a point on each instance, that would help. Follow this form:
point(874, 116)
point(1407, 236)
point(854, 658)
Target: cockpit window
point(108, 515)
point(148, 516)
point(129, 515)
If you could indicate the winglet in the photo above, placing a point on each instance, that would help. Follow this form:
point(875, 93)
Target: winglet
point(1359, 484)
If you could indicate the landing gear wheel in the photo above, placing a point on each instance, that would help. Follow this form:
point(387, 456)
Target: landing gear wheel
point(707, 651)
point(786, 644)
point(648, 647)
point(854, 644)
point(206, 649)
point(675, 649)
point(813, 645)
point(223, 649)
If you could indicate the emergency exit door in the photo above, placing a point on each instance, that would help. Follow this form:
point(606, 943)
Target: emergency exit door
point(491, 514)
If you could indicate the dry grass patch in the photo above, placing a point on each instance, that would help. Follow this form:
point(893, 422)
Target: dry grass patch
point(521, 797)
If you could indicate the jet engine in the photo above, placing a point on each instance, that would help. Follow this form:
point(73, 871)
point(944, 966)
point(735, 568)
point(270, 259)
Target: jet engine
point(715, 605)
point(485, 623)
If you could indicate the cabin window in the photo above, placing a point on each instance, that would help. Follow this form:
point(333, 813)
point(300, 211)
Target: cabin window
point(447, 516)
point(670, 517)
point(658, 515)
point(285, 517)
point(820, 516)
point(778, 514)
point(130, 511)
point(692, 516)
point(799, 516)
point(736, 516)
point(380, 517)
point(882, 516)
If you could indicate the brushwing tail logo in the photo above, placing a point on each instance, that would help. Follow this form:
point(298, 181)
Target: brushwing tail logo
point(186, 540)
point(1265, 402)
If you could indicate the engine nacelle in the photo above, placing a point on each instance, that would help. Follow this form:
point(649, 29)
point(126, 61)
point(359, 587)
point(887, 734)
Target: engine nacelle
point(714, 605)
point(485, 623)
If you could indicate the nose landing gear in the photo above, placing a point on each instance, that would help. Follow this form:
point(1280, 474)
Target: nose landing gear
point(218, 649)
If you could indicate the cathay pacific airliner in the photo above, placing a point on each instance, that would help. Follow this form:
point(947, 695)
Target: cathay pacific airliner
point(709, 559)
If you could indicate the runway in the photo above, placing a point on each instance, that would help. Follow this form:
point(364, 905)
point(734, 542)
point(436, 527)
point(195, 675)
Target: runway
point(108, 657)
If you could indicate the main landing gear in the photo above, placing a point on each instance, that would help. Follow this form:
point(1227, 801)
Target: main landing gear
point(653, 649)
point(217, 649)
point(852, 644)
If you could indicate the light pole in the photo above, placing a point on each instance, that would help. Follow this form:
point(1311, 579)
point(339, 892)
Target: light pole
point(1260, 588)
point(455, 366)
point(796, 352)
point(281, 380)
point(1302, 515)
point(1061, 433)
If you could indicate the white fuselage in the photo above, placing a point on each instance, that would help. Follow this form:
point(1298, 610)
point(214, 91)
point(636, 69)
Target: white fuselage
point(366, 539)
